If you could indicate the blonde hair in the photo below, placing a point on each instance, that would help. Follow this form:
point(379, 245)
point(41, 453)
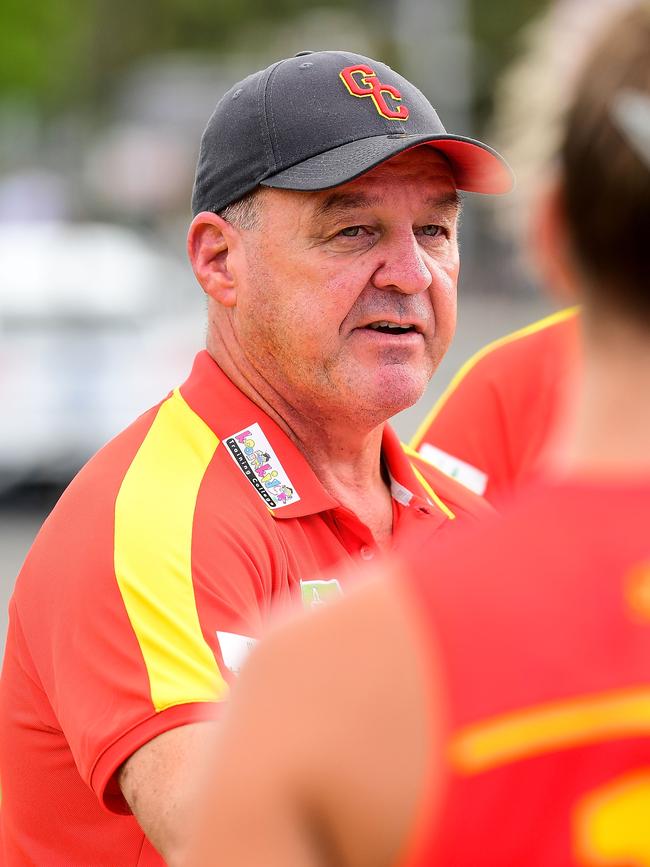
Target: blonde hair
point(533, 96)
point(606, 182)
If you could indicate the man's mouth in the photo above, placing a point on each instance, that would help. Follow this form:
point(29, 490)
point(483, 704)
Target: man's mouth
point(392, 327)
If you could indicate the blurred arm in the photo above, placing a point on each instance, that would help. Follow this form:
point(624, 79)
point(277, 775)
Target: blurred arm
point(159, 782)
point(321, 758)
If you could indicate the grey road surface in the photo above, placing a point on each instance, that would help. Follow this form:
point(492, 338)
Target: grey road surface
point(482, 318)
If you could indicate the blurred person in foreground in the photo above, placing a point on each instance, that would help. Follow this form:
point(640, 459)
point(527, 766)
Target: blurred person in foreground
point(491, 707)
point(326, 206)
point(498, 423)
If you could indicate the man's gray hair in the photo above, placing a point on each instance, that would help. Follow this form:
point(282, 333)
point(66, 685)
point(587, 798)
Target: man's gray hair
point(245, 212)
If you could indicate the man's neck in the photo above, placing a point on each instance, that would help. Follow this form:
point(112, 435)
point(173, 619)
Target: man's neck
point(348, 465)
point(344, 454)
point(608, 430)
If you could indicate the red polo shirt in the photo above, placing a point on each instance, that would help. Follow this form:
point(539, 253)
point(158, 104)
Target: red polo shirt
point(491, 427)
point(541, 631)
point(144, 590)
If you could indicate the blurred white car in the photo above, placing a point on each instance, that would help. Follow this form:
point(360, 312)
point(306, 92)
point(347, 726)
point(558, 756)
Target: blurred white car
point(96, 325)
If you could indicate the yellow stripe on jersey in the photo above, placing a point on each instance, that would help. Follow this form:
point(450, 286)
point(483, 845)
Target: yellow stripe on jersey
point(154, 514)
point(550, 727)
point(427, 487)
point(540, 325)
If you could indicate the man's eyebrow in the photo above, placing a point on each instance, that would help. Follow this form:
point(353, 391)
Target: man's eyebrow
point(339, 204)
point(448, 201)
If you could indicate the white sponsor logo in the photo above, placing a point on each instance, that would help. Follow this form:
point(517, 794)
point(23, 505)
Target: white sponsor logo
point(234, 649)
point(473, 478)
point(254, 456)
point(320, 592)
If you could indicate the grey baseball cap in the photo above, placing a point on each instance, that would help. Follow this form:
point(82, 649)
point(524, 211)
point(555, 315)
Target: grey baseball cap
point(323, 118)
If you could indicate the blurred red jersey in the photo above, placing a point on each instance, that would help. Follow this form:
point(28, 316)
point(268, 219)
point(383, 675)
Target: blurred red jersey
point(489, 428)
point(542, 629)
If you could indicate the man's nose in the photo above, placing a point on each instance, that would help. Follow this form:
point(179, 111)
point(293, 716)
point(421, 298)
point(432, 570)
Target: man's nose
point(403, 267)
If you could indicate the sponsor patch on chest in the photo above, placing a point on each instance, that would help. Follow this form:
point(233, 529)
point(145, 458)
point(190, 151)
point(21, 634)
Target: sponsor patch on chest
point(319, 592)
point(254, 456)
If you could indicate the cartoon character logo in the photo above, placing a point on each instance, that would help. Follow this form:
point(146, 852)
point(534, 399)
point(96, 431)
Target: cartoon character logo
point(261, 462)
point(249, 445)
point(284, 494)
point(259, 457)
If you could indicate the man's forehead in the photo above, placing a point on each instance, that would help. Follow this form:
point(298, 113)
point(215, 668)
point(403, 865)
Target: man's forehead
point(428, 169)
point(342, 200)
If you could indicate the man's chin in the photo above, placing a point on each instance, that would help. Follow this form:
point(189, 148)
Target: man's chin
point(395, 390)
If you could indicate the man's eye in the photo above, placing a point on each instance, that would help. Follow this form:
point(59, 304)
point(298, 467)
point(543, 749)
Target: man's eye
point(432, 231)
point(351, 231)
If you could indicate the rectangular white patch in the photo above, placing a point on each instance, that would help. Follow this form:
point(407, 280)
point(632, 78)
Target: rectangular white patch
point(473, 478)
point(234, 649)
point(400, 493)
point(254, 456)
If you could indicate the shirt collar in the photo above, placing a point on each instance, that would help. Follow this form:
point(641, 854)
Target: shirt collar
point(227, 411)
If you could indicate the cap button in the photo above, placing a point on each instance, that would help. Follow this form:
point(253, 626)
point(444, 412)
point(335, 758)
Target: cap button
point(302, 53)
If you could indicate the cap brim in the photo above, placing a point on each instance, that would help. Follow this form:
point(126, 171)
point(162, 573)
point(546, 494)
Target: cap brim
point(476, 167)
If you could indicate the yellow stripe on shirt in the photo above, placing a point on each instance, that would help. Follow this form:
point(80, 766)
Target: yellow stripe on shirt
point(550, 727)
point(154, 516)
point(540, 325)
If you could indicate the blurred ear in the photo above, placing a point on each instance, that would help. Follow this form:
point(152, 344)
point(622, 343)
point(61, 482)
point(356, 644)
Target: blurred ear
point(549, 243)
point(211, 242)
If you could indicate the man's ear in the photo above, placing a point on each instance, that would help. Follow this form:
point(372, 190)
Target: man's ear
point(550, 243)
point(210, 244)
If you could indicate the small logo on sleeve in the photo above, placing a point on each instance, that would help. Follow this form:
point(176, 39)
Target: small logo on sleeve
point(319, 592)
point(254, 456)
point(362, 81)
point(473, 478)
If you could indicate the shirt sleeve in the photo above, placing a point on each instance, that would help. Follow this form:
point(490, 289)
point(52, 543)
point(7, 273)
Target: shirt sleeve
point(140, 631)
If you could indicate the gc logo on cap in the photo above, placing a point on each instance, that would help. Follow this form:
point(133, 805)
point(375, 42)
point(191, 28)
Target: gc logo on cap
point(374, 89)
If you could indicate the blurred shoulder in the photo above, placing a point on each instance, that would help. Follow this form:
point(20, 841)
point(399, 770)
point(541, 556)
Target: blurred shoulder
point(557, 330)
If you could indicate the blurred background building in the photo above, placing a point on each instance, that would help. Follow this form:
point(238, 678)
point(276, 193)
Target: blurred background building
point(101, 109)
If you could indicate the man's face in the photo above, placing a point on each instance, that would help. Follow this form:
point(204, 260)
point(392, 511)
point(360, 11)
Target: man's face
point(346, 301)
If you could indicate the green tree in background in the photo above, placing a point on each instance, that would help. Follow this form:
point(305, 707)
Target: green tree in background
point(62, 53)
point(495, 26)
point(42, 45)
